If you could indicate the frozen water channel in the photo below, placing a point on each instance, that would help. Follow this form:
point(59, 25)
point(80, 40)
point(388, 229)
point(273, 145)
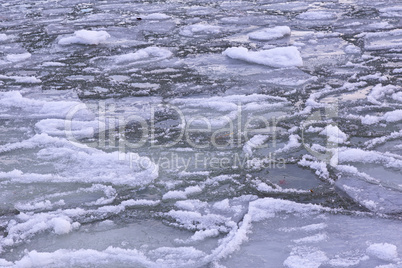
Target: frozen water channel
point(201, 133)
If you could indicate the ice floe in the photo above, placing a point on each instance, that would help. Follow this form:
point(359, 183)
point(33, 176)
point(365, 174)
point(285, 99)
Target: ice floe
point(317, 15)
point(383, 251)
point(85, 37)
point(18, 57)
point(155, 16)
point(280, 57)
point(200, 28)
point(145, 54)
point(270, 33)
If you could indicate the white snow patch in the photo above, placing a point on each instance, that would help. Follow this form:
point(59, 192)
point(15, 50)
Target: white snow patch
point(84, 257)
point(85, 37)
point(359, 155)
point(317, 15)
point(307, 228)
point(155, 16)
point(22, 79)
point(292, 144)
point(200, 28)
point(397, 96)
point(53, 64)
point(270, 33)
point(182, 194)
point(255, 142)
point(351, 49)
point(347, 262)
point(140, 203)
point(383, 251)
point(379, 92)
point(280, 57)
point(312, 239)
point(393, 116)
point(263, 187)
point(395, 11)
point(312, 259)
point(61, 226)
point(334, 134)
point(143, 54)
point(222, 205)
point(397, 71)
point(18, 57)
point(41, 205)
point(320, 167)
point(3, 37)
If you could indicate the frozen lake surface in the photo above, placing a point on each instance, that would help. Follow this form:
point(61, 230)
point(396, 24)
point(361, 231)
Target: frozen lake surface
point(201, 133)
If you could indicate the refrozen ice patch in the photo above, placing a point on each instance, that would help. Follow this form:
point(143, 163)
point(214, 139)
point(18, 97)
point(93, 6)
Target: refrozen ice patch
point(317, 15)
point(366, 191)
point(198, 29)
point(280, 57)
point(18, 57)
point(383, 251)
point(270, 33)
point(85, 37)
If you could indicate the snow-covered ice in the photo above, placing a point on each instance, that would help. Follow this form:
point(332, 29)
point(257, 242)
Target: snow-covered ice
point(280, 57)
point(85, 37)
point(200, 134)
point(200, 28)
point(270, 33)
